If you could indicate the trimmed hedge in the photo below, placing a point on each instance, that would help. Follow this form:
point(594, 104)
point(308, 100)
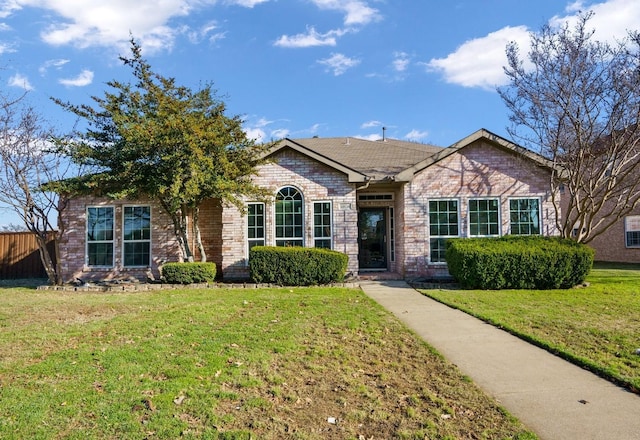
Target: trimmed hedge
point(518, 262)
point(296, 266)
point(188, 273)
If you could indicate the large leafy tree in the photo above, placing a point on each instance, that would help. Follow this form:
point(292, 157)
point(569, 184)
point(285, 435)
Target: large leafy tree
point(576, 100)
point(158, 139)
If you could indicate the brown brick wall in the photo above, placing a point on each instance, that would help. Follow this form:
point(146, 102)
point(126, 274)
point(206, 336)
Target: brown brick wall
point(317, 182)
point(611, 245)
point(72, 243)
point(478, 170)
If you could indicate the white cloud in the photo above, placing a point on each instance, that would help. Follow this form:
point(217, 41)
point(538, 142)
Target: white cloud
point(369, 137)
point(6, 48)
point(356, 12)
point(280, 133)
point(247, 3)
point(99, 23)
point(205, 32)
point(339, 63)
point(611, 21)
point(57, 64)
point(401, 61)
point(8, 7)
point(478, 62)
point(309, 39)
point(416, 135)
point(83, 79)
point(371, 124)
point(20, 81)
point(257, 134)
point(259, 131)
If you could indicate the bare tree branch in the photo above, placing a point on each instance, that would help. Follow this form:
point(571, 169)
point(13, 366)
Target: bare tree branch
point(578, 105)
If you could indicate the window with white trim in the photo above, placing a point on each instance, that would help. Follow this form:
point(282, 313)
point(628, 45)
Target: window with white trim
point(632, 231)
point(289, 217)
point(484, 217)
point(322, 227)
point(255, 224)
point(524, 216)
point(100, 241)
point(443, 223)
point(136, 236)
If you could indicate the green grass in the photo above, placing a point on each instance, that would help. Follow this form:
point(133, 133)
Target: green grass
point(227, 364)
point(597, 327)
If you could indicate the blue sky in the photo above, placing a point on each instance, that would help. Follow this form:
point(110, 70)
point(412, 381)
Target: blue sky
point(425, 69)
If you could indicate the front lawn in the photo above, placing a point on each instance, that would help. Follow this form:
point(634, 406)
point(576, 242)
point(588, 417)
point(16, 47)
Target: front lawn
point(596, 326)
point(308, 363)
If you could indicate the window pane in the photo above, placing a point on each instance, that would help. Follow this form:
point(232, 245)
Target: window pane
point(136, 253)
point(633, 238)
point(436, 250)
point(255, 223)
point(484, 217)
point(524, 216)
point(100, 236)
point(137, 223)
point(322, 224)
point(99, 224)
point(288, 215)
point(443, 222)
point(136, 236)
point(100, 254)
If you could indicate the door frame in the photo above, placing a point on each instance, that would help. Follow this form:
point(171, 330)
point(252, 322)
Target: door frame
point(364, 255)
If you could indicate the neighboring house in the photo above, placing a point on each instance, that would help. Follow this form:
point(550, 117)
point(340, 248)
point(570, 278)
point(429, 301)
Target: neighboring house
point(620, 243)
point(389, 205)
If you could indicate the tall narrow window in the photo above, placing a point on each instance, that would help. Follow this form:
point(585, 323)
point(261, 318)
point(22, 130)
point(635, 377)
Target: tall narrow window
point(136, 238)
point(289, 217)
point(443, 224)
point(255, 224)
point(100, 236)
point(322, 231)
point(632, 230)
point(524, 215)
point(484, 217)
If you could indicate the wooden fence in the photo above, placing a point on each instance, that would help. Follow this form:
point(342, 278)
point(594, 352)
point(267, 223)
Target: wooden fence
point(20, 257)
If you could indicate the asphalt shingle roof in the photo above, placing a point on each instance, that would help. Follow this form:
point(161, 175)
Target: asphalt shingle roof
point(376, 159)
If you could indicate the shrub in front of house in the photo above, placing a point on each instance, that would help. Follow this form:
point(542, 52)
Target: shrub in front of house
point(188, 273)
point(518, 262)
point(296, 266)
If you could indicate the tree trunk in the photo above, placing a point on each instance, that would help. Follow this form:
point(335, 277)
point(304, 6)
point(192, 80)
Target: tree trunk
point(179, 220)
point(184, 232)
point(198, 236)
point(46, 259)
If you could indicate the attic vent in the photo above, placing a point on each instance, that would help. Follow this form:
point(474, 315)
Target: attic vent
point(372, 196)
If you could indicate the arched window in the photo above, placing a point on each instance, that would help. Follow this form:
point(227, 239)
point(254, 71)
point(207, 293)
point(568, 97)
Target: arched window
point(289, 217)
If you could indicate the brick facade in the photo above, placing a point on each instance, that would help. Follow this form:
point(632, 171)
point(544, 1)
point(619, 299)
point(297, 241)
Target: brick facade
point(164, 247)
point(479, 169)
point(611, 245)
point(316, 182)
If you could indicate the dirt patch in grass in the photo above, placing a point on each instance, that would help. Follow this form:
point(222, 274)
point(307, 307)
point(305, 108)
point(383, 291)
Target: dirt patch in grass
point(267, 363)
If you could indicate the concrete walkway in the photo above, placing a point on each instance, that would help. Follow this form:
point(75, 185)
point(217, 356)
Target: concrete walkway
point(555, 399)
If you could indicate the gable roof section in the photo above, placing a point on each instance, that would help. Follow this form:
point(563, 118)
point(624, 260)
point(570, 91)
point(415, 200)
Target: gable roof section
point(391, 160)
point(361, 159)
point(497, 141)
